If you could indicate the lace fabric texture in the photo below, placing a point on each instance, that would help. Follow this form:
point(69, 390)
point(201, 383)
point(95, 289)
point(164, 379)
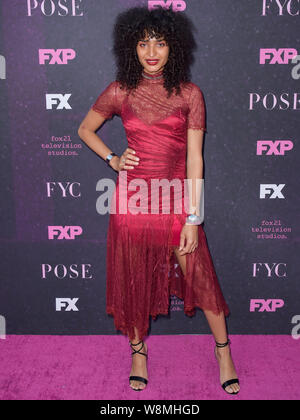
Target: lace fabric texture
point(144, 228)
point(150, 105)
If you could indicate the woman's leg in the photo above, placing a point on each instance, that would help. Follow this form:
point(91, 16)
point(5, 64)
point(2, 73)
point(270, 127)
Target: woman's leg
point(227, 370)
point(217, 325)
point(139, 365)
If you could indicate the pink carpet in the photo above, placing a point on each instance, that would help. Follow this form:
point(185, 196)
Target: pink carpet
point(180, 367)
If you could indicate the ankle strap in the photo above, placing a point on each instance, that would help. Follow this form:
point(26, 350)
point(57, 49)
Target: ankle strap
point(136, 343)
point(223, 344)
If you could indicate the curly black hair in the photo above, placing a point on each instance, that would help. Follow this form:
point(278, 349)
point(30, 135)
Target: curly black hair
point(177, 29)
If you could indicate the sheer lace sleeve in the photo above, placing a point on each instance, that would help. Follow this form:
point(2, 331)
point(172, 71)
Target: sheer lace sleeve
point(196, 113)
point(107, 103)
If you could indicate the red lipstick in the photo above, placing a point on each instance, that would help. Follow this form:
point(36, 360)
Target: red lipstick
point(152, 62)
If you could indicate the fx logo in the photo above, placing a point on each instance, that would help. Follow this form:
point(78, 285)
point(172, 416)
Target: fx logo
point(277, 147)
point(67, 232)
point(67, 304)
point(269, 305)
point(58, 99)
point(177, 5)
point(270, 269)
point(273, 190)
point(59, 56)
point(280, 56)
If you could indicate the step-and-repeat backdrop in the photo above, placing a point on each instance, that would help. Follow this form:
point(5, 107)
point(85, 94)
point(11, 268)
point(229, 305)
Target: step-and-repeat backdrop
point(55, 59)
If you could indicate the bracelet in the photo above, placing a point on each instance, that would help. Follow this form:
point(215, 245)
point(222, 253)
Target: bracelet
point(109, 157)
point(193, 219)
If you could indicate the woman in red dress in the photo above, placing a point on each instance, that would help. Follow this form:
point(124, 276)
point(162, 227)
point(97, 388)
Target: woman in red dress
point(163, 114)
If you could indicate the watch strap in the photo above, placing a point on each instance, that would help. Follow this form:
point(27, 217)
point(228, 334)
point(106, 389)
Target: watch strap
point(110, 156)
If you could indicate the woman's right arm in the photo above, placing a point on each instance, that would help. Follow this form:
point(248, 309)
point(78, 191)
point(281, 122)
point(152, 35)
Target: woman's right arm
point(86, 131)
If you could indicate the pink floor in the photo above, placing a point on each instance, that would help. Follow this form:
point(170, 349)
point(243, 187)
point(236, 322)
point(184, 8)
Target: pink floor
point(180, 367)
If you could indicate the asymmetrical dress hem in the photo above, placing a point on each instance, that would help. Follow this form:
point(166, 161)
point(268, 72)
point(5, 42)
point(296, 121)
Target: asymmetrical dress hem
point(142, 270)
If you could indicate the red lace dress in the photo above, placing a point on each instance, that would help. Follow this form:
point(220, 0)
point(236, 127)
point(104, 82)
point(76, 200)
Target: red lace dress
point(142, 268)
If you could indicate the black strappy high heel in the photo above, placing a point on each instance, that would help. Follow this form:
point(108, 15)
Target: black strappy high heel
point(138, 378)
point(230, 381)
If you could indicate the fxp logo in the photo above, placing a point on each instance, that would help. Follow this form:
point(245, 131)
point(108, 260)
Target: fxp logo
point(64, 232)
point(275, 148)
point(281, 56)
point(274, 56)
point(266, 305)
point(59, 56)
point(176, 5)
